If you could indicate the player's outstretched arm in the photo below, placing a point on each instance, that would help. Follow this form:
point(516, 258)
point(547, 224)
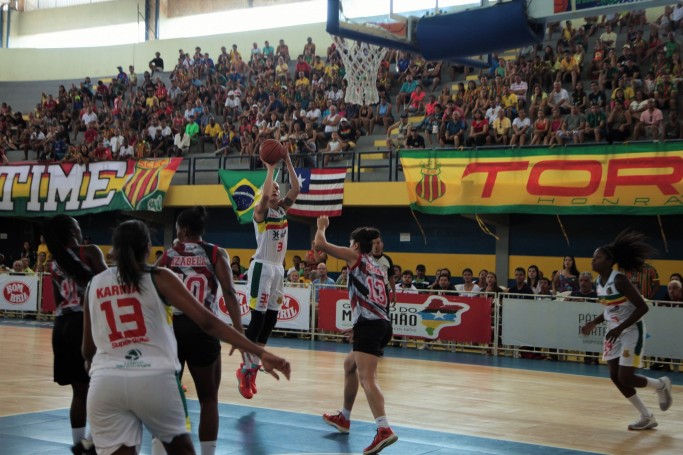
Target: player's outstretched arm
point(261, 208)
point(173, 290)
point(339, 252)
point(294, 185)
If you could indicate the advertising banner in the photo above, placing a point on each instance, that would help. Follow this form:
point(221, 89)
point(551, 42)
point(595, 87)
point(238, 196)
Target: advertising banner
point(557, 324)
point(19, 292)
point(35, 189)
point(295, 312)
point(631, 179)
point(442, 317)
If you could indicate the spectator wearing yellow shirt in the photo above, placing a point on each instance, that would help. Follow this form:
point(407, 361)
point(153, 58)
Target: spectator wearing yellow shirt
point(212, 133)
point(332, 69)
point(500, 132)
point(509, 101)
point(302, 81)
point(318, 66)
point(568, 67)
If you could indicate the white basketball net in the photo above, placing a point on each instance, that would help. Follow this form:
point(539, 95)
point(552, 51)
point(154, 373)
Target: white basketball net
point(361, 61)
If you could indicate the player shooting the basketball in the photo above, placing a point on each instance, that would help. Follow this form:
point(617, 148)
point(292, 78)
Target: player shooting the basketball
point(266, 272)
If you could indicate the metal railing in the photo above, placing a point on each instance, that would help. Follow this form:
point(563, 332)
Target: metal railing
point(549, 346)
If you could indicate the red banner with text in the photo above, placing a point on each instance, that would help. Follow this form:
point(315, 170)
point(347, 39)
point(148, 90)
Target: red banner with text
point(429, 316)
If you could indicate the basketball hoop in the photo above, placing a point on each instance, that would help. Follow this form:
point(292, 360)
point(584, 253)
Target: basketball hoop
point(362, 61)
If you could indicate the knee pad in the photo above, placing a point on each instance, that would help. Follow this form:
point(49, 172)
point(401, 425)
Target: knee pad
point(268, 325)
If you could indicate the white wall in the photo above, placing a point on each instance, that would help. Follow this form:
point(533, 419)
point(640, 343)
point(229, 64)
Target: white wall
point(76, 63)
point(111, 36)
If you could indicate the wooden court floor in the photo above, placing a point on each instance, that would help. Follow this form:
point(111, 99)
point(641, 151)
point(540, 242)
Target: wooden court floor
point(448, 393)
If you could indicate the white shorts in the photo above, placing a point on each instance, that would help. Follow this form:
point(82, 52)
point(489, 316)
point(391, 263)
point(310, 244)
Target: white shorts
point(628, 347)
point(266, 286)
point(119, 404)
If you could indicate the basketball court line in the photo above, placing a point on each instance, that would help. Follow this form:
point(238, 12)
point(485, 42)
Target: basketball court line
point(261, 431)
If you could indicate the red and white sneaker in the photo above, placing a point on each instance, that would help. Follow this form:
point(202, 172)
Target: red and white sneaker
point(341, 423)
point(252, 380)
point(384, 438)
point(244, 383)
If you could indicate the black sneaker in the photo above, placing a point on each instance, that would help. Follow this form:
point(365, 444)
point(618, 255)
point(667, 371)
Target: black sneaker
point(84, 447)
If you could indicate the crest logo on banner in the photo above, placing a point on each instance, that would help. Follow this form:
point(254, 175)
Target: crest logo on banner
point(430, 188)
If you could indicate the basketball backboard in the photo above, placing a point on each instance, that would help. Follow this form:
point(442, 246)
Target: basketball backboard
point(451, 30)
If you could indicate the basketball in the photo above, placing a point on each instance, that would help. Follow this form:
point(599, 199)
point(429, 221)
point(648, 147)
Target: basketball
point(271, 151)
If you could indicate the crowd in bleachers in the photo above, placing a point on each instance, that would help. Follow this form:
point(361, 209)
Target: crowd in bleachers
point(231, 103)
point(603, 81)
point(591, 84)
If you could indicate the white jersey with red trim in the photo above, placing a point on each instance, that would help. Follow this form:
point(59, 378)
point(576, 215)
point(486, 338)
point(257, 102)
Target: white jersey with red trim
point(271, 236)
point(367, 291)
point(132, 328)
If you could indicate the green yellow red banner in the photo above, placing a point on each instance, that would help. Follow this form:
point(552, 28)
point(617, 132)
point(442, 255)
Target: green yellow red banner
point(48, 189)
point(635, 179)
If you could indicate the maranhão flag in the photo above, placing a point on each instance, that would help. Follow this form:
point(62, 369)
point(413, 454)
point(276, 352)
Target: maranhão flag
point(322, 192)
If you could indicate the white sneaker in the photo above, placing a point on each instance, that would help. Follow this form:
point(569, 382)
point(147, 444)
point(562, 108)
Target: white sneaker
point(664, 394)
point(644, 423)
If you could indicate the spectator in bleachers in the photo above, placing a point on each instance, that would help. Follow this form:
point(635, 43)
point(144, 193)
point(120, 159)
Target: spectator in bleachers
point(416, 101)
point(468, 288)
point(619, 124)
point(454, 131)
point(672, 128)
point(520, 129)
point(420, 280)
point(415, 140)
point(479, 130)
point(500, 129)
point(405, 92)
point(544, 288)
point(533, 278)
point(431, 74)
point(538, 101)
point(566, 280)
point(585, 290)
point(405, 285)
point(442, 285)
point(492, 283)
point(666, 93)
point(578, 97)
point(403, 128)
point(596, 124)
point(573, 127)
point(541, 128)
point(650, 123)
point(521, 286)
point(608, 37)
point(638, 105)
point(559, 98)
point(597, 96)
point(675, 291)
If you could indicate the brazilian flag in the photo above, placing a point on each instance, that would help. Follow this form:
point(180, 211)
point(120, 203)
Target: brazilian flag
point(244, 191)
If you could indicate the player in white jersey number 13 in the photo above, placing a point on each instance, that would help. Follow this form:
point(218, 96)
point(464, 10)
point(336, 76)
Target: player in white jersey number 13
point(129, 345)
point(266, 273)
